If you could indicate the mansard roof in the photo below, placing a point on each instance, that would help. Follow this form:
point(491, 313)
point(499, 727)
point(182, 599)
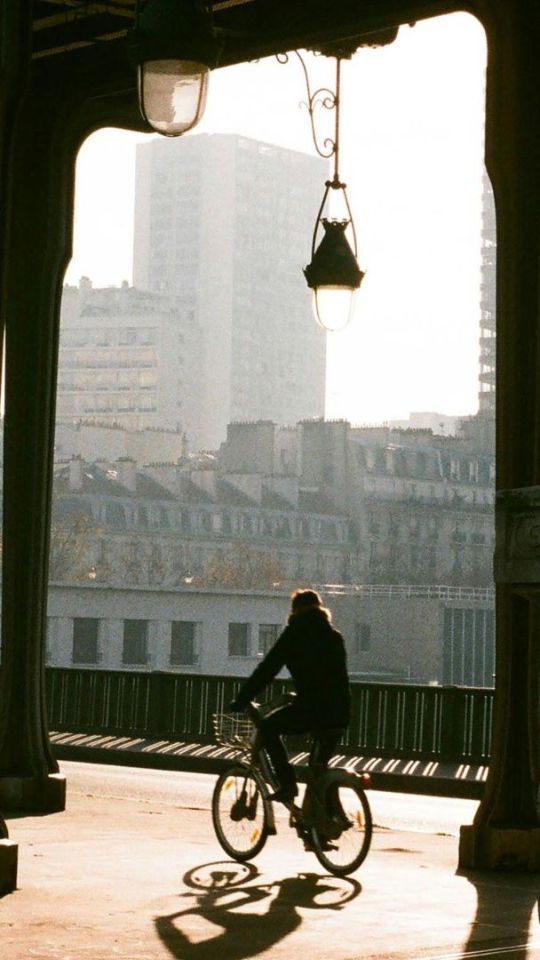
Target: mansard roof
point(101, 481)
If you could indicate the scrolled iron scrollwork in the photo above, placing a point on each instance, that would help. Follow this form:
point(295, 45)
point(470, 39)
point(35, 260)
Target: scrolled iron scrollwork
point(324, 98)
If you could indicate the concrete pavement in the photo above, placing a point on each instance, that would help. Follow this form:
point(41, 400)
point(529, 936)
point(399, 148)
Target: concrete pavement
point(135, 879)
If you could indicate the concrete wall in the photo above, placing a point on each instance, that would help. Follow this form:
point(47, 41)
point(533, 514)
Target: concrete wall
point(395, 638)
point(211, 611)
point(403, 640)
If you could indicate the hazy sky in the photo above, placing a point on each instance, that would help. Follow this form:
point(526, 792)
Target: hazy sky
point(412, 136)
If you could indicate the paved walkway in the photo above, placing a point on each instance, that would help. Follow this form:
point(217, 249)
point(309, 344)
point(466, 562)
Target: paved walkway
point(136, 880)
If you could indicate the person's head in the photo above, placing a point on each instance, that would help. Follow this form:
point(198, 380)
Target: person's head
point(304, 600)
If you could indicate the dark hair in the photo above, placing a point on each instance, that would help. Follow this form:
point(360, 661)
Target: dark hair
point(304, 600)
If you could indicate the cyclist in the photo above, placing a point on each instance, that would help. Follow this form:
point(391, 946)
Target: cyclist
point(314, 653)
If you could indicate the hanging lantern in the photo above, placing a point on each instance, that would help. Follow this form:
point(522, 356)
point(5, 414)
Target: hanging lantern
point(175, 48)
point(333, 274)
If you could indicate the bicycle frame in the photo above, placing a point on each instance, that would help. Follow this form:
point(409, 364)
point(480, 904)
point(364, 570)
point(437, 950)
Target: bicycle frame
point(324, 815)
point(313, 812)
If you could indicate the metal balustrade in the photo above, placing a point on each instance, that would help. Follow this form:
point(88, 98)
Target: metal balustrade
point(370, 591)
point(398, 721)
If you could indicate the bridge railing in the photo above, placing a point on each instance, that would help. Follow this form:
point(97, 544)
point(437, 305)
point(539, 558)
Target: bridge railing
point(401, 721)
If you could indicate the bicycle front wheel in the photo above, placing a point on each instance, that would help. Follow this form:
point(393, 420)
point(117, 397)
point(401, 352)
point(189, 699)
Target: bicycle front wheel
point(239, 813)
point(347, 802)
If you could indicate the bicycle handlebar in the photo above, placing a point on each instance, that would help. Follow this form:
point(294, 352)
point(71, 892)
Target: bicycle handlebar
point(253, 713)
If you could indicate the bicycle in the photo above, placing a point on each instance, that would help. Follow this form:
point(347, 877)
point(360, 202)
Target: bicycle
point(334, 820)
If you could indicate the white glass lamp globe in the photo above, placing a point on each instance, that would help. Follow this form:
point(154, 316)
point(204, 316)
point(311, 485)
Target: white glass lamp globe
point(333, 307)
point(173, 94)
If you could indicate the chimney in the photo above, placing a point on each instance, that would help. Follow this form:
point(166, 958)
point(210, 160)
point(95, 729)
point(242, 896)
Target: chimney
point(85, 283)
point(127, 473)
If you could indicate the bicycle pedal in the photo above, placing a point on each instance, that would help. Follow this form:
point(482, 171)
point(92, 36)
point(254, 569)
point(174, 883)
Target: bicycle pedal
point(325, 845)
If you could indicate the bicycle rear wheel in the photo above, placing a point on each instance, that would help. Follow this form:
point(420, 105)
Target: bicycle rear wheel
point(239, 812)
point(347, 802)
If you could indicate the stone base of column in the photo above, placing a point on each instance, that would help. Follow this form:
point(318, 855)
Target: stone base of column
point(33, 794)
point(499, 848)
point(8, 866)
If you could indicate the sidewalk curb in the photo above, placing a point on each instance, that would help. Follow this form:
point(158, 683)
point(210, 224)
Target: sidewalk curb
point(199, 759)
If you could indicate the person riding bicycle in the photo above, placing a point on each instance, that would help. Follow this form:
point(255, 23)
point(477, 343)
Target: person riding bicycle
point(314, 653)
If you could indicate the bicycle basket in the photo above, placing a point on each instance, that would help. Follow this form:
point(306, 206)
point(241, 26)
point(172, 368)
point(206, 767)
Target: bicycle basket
point(233, 731)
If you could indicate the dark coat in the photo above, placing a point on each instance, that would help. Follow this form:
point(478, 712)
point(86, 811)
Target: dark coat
point(314, 654)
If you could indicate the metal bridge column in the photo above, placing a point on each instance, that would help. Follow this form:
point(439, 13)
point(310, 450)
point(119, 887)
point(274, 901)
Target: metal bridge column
point(506, 831)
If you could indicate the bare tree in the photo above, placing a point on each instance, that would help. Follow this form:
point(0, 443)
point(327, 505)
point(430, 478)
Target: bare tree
point(71, 547)
point(243, 566)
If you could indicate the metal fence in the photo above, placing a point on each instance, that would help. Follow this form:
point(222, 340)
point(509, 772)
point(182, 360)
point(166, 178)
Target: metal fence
point(388, 720)
point(370, 591)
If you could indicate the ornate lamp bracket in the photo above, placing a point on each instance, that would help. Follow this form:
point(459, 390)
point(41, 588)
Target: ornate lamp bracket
point(326, 99)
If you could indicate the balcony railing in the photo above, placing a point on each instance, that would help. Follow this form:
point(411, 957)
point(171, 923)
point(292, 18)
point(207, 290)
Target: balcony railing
point(407, 722)
point(406, 591)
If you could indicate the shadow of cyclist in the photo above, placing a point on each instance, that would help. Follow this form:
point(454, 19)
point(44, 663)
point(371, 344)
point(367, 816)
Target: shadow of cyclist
point(246, 934)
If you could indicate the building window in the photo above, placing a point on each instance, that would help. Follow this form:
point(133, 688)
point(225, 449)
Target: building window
point(206, 522)
point(362, 633)
point(183, 643)
point(127, 336)
point(85, 640)
point(50, 637)
point(164, 519)
point(226, 524)
point(268, 634)
point(115, 514)
point(239, 639)
point(135, 648)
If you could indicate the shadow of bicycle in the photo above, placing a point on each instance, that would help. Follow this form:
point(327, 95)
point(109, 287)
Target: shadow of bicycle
point(222, 896)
